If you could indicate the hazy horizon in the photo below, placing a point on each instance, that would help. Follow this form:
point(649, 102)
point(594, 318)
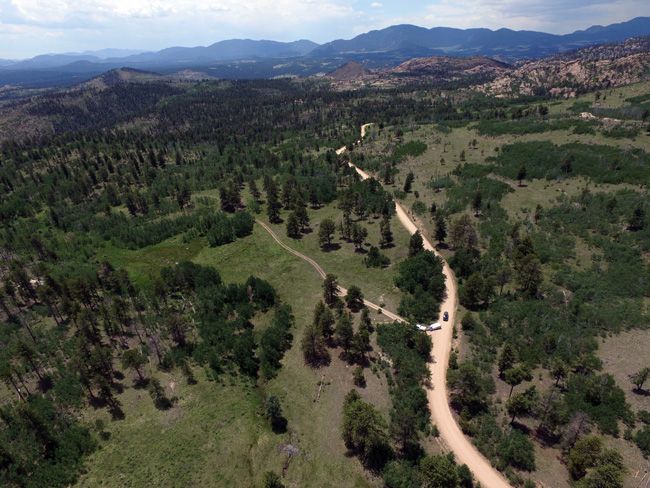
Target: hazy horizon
point(33, 27)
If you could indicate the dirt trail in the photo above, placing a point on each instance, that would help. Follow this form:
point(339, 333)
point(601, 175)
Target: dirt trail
point(452, 435)
point(341, 291)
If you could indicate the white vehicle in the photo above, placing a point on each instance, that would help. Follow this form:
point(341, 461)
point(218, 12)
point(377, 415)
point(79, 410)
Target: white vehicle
point(429, 328)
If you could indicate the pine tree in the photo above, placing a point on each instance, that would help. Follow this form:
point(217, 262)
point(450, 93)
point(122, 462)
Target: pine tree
point(386, 239)
point(637, 219)
point(441, 228)
point(521, 174)
point(330, 289)
point(416, 244)
point(293, 226)
point(326, 233)
point(408, 183)
point(313, 346)
point(302, 216)
point(359, 234)
point(507, 358)
point(344, 331)
point(326, 323)
point(272, 203)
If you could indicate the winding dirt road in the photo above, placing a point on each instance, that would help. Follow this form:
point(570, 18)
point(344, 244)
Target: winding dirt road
point(450, 432)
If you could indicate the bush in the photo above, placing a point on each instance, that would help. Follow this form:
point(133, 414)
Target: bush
point(412, 148)
point(600, 398)
point(642, 439)
point(418, 207)
point(242, 224)
point(517, 451)
point(364, 432)
point(441, 183)
point(358, 377)
point(375, 259)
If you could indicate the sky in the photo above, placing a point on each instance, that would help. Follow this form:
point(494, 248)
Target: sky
point(30, 27)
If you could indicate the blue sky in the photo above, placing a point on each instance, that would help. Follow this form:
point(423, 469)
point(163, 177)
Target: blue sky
point(29, 27)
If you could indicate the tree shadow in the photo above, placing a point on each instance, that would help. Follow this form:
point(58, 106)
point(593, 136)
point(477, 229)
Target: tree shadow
point(320, 362)
point(116, 412)
point(140, 383)
point(163, 403)
point(97, 402)
point(547, 438)
point(641, 392)
point(279, 425)
point(334, 246)
point(412, 451)
point(524, 429)
point(45, 383)
point(442, 245)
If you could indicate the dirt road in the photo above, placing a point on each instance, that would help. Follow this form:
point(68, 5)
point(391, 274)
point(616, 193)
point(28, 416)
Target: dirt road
point(453, 437)
point(341, 291)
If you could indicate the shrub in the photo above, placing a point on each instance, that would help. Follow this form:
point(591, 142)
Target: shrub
point(642, 439)
point(517, 451)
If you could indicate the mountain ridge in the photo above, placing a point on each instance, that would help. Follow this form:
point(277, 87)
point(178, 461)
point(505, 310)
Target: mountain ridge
point(375, 50)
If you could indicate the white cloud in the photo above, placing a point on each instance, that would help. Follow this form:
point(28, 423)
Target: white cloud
point(28, 27)
point(154, 24)
point(251, 12)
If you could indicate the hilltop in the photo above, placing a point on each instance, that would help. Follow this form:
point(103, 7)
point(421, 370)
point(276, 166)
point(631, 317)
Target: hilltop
point(587, 69)
point(349, 71)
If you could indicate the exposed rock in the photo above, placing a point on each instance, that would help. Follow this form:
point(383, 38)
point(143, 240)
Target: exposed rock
point(567, 75)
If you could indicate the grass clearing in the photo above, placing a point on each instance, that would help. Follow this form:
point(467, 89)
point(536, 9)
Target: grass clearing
point(217, 435)
point(376, 284)
point(213, 436)
point(625, 354)
point(146, 263)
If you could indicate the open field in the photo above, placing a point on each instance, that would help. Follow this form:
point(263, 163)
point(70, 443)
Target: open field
point(347, 264)
point(188, 444)
point(624, 354)
point(213, 436)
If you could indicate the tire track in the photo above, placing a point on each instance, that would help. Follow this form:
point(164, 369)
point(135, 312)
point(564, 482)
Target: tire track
point(341, 291)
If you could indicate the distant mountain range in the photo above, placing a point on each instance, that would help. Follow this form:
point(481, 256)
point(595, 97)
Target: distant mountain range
point(231, 50)
point(505, 44)
point(244, 58)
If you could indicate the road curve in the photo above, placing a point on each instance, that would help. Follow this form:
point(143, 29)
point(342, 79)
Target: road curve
point(452, 435)
point(341, 291)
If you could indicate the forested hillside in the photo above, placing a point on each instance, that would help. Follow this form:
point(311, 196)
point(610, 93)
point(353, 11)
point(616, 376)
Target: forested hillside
point(542, 214)
point(109, 199)
point(154, 334)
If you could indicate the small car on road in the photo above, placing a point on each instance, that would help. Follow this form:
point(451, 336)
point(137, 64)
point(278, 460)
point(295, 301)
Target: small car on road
point(445, 316)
